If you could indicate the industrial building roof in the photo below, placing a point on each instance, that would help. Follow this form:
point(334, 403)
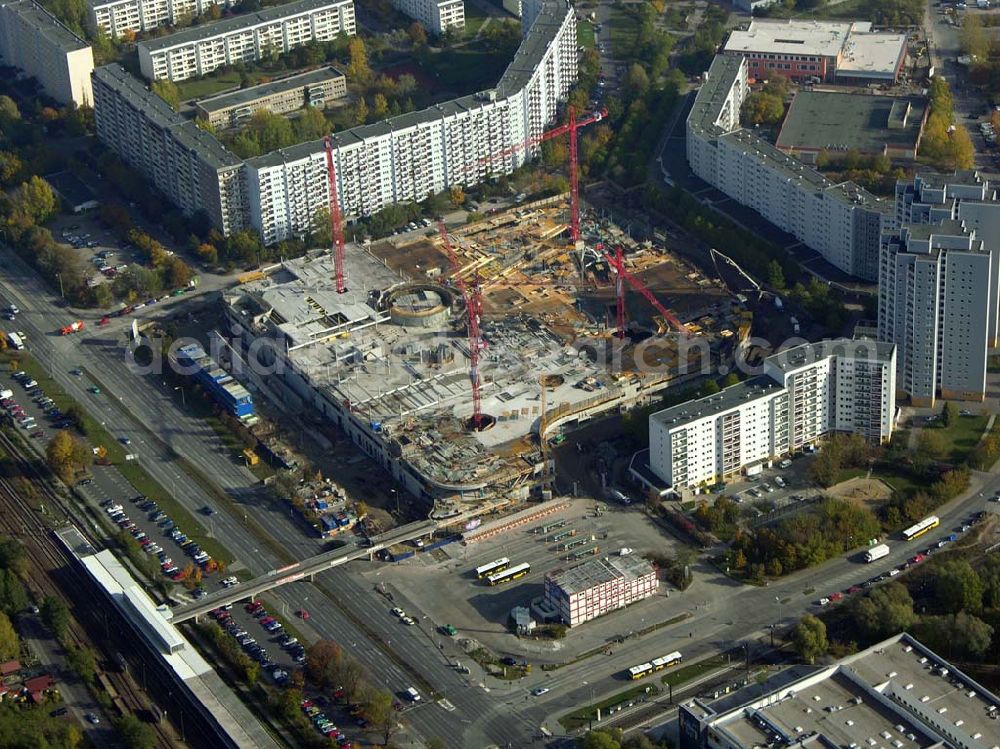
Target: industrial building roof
point(253, 93)
point(47, 24)
point(157, 111)
point(795, 37)
point(896, 693)
point(599, 571)
point(181, 658)
point(877, 55)
point(239, 23)
point(835, 121)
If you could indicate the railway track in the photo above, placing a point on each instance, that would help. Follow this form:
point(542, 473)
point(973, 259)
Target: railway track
point(22, 519)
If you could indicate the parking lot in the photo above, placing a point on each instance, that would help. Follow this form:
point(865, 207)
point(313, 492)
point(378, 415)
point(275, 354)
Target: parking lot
point(481, 611)
point(29, 407)
point(774, 488)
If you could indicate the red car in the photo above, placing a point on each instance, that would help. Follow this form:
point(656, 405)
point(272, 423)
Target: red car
point(918, 558)
point(104, 320)
point(853, 589)
point(302, 614)
point(836, 596)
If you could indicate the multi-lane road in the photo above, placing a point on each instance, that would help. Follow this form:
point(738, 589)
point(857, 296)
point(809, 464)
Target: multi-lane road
point(139, 408)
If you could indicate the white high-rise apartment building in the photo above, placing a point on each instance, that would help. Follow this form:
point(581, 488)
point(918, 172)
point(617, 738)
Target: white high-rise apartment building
point(248, 38)
point(436, 16)
point(33, 40)
point(119, 17)
point(935, 284)
point(409, 157)
point(804, 394)
point(841, 221)
point(186, 163)
point(400, 159)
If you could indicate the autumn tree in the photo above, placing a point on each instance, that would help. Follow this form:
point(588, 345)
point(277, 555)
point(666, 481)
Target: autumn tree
point(418, 37)
point(357, 68)
point(361, 111)
point(55, 616)
point(887, 610)
point(168, 91)
point(958, 587)
point(762, 109)
point(809, 638)
point(10, 168)
point(381, 713)
point(322, 662)
point(456, 195)
point(8, 110)
point(66, 455)
point(380, 106)
point(35, 199)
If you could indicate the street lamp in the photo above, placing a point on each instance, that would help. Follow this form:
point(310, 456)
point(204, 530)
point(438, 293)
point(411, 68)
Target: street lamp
point(183, 400)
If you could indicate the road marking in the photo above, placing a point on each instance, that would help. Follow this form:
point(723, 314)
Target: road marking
point(446, 705)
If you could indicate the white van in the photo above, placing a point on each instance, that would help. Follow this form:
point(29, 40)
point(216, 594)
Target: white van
point(413, 694)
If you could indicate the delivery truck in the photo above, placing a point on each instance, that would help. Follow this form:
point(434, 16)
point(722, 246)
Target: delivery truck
point(876, 552)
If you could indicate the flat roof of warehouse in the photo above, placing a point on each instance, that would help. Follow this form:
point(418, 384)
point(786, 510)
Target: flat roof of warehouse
point(836, 121)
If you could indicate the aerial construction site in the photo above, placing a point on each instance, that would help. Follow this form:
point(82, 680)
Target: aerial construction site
point(458, 407)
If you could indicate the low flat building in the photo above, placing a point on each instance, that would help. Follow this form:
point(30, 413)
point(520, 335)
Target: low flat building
point(835, 123)
point(896, 693)
point(316, 88)
point(844, 51)
point(245, 39)
point(804, 394)
point(599, 586)
point(436, 16)
point(34, 40)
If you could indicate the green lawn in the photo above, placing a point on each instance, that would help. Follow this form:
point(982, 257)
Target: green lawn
point(585, 36)
point(474, 20)
point(963, 435)
point(210, 84)
point(692, 671)
point(580, 718)
point(465, 69)
point(624, 30)
point(900, 481)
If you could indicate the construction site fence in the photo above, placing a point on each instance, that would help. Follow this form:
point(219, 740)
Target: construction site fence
point(469, 229)
point(517, 520)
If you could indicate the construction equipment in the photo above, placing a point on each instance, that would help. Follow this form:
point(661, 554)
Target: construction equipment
point(336, 228)
point(617, 262)
point(101, 455)
point(571, 127)
point(473, 309)
point(73, 327)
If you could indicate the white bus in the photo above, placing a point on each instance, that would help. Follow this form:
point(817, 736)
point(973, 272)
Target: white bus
point(513, 573)
point(15, 341)
point(924, 526)
point(498, 565)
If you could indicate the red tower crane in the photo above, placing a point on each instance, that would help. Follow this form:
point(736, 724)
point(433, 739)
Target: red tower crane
point(617, 262)
point(473, 308)
point(336, 228)
point(571, 126)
